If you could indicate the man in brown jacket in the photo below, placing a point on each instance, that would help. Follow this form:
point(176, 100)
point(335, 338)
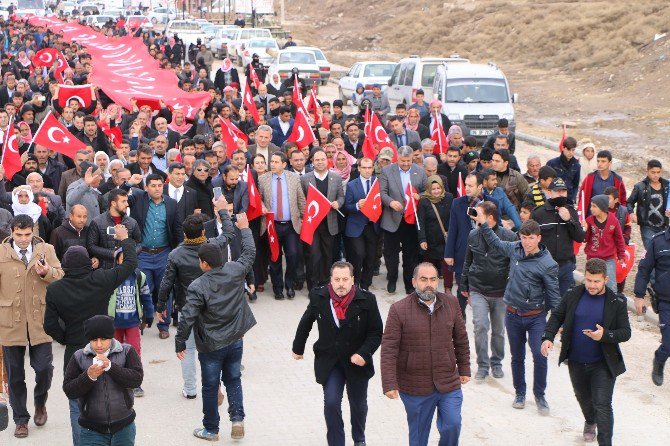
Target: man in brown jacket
point(425, 358)
point(27, 266)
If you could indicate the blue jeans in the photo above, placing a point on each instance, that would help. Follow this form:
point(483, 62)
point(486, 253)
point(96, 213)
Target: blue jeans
point(566, 278)
point(357, 393)
point(611, 274)
point(221, 365)
point(520, 329)
point(124, 437)
point(663, 350)
point(74, 422)
point(153, 266)
point(420, 411)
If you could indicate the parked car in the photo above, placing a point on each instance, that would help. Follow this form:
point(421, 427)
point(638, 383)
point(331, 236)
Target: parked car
point(475, 96)
point(162, 15)
point(221, 39)
point(65, 7)
point(209, 31)
point(188, 31)
point(414, 73)
point(303, 60)
point(242, 36)
point(99, 20)
point(4, 12)
point(366, 73)
point(266, 49)
point(321, 61)
point(138, 21)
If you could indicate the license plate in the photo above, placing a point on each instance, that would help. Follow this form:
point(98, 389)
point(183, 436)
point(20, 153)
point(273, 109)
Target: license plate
point(479, 132)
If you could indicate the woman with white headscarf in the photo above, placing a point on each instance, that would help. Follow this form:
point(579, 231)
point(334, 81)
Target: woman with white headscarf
point(23, 203)
point(274, 85)
point(102, 161)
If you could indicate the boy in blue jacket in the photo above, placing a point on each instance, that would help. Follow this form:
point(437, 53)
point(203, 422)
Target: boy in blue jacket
point(132, 309)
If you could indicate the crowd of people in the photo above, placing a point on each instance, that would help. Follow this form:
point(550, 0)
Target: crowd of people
point(154, 229)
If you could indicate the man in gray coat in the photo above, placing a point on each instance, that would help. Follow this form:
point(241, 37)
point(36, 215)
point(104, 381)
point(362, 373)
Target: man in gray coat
point(326, 236)
point(85, 192)
point(399, 234)
point(217, 307)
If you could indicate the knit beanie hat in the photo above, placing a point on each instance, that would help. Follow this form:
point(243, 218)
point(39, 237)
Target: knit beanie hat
point(602, 201)
point(76, 257)
point(99, 327)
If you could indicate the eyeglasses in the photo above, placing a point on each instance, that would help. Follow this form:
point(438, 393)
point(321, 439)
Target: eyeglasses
point(202, 169)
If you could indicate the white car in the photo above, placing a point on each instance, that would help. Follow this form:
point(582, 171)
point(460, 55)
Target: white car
point(367, 74)
point(66, 8)
point(99, 20)
point(221, 39)
point(162, 15)
point(303, 60)
point(4, 13)
point(187, 30)
point(242, 36)
point(266, 49)
point(321, 61)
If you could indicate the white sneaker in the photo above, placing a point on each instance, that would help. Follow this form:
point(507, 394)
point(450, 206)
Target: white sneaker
point(187, 396)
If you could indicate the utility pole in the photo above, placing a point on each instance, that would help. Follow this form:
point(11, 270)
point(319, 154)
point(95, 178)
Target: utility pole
point(282, 15)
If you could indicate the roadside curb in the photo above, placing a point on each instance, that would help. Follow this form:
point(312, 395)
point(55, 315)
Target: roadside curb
point(649, 316)
point(552, 145)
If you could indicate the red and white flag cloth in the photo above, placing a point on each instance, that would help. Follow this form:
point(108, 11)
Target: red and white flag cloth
point(372, 208)
point(379, 137)
point(460, 187)
point(313, 106)
point(255, 208)
point(250, 104)
point(624, 266)
point(273, 240)
point(230, 134)
point(302, 134)
point(254, 77)
point(55, 136)
point(45, 57)
point(562, 141)
point(11, 159)
point(81, 93)
point(581, 213)
point(317, 207)
point(368, 149)
point(440, 138)
point(410, 216)
point(113, 133)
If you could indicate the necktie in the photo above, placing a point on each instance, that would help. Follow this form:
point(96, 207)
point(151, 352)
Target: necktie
point(280, 201)
point(24, 259)
point(175, 194)
point(367, 187)
point(403, 137)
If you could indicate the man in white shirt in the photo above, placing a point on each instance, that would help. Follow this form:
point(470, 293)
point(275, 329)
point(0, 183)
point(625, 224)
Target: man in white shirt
point(175, 189)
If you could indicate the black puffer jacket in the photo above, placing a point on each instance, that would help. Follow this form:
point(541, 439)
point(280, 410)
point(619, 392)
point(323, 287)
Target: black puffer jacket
point(485, 270)
point(184, 267)
point(102, 246)
point(105, 405)
point(65, 236)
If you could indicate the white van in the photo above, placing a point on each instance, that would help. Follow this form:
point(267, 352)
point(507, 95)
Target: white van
point(242, 36)
point(414, 73)
point(475, 96)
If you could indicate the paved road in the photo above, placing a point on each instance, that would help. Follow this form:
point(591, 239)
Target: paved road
point(283, 403)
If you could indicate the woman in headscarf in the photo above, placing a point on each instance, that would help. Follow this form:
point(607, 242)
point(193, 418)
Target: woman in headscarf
point(25, 136)
point(24, 65)
point(433, 212)
point(412, 123)
point(180, 125)
point(274, 86)
point(101, 160)
point(455, 136)
point(23, 203)
point(344, 166)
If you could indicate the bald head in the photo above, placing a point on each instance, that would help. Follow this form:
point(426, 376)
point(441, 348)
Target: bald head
point(35, 181)
point(78, 216)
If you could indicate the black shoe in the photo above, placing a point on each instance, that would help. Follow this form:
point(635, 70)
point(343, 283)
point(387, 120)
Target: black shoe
point(175, 320)
point(298, 286)
point(390, 287)
point(279, 296)
point(252, 297)
point(657, 373)
point(375, 273)
point(409, 291)
point(290, 293)
point(4, 414)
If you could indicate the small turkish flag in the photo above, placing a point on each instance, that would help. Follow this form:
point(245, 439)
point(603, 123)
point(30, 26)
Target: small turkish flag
point(230, 134)
point(302, 134)
point(42, 203)
point(55, 136)
point(313, 105)
point(410, 205)
point(254, 77)
point(624, 267)
point(380, 137)
point(562, 141)
point(317, 208)
point(372, 208)
point(255, 208)
point(273, 240)
point(11, 160)
point(82, 93)
point(45, 57)
point(437, 135)
point(115, 135)
point(369, 150)
point(154, 104)
point(297, 96)
point(460, 187)
point(250, 104)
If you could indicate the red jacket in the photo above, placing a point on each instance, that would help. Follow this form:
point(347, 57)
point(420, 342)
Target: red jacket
point(585, 191)
point(607, 243)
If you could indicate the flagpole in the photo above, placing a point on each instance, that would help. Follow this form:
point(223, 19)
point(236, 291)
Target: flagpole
point(41, 125)
point(331, 206)
point(418, 226)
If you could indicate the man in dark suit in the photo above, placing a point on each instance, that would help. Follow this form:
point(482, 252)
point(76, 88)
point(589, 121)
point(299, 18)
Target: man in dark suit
point(160, 223)
point(361, 234)
point(350, 331)
point(282, 126)
point(297, 161)
point(144, 166)
point(321, 250)
point(401, 136)
point(182, 194)
point(435, 111)
point(234, 189)
point(353, 140)
point(8, 90)
point(400, 236)
point(263, 146)
point(172, 137)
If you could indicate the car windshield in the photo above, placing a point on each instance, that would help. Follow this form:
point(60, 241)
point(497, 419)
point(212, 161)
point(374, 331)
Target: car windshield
point(479, 91)
point(262, 44)
point(306, 58)
point(379, 70)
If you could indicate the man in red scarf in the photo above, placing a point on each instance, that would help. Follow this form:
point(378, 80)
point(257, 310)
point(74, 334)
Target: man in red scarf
point(350, 331)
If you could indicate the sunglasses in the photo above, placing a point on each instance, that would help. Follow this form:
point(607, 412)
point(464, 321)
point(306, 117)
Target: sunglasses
point(202, 169)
